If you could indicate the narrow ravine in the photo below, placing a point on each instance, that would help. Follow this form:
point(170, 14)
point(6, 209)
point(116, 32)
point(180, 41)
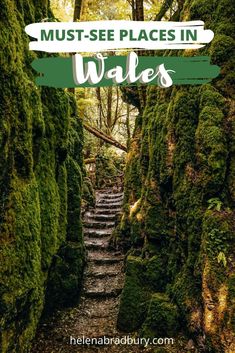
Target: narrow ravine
point(96, 314)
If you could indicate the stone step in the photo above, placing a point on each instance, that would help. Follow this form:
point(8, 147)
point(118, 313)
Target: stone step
point(109, 293)
point(115, 205)
point(103, 269)
point(102, 287)
point(105, 200)
point(111, 254)
point(99, 224)
point(106, 260)
point(97, 233)
point(103, 258)
point(102, 275)
point(107, 211)
point(100, 217)
point(110, 195)
point(97, 243)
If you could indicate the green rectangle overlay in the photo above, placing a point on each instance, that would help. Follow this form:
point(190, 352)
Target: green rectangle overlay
point(58, 71)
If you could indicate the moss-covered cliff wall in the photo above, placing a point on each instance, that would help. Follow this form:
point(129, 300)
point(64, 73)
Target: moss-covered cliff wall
point(180, 222)
point(40, 185)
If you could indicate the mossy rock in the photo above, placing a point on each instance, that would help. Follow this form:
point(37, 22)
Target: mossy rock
point(162, 317)
point(88, 193)
point(74, 226)
point(39, 129)
point(156, 276)
point(222, 49)
point(156, 225)
point(217, 234)
point(134, 297)
point(65, 277)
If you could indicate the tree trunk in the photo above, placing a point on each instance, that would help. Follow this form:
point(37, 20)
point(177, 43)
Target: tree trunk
point(77, 10)
point(109, 110)
point(76, 17)
point(165, 7)
point(139, 10)
point(138, 15)
point(128, 125)
point(137, 7)
point(89, 160)
point(133, 8)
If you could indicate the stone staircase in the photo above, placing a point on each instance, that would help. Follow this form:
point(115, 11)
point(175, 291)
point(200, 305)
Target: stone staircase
point(96, 314)
point(104, 275)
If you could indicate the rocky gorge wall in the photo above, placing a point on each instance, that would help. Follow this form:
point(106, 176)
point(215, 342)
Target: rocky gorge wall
point(41, 169)
point(179, 202)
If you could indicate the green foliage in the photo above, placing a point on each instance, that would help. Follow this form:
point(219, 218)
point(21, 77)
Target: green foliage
point(108, 165)
point(222, 258)
point(216, 233)
point(215, 203)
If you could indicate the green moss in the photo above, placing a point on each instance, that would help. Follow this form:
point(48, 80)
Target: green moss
point(222, 49)
point(35, 130)
point(155, 275)
point(186, 292)
point(74, 227)
point(182, 153)
point(156, 223)
point(132, 183)
point(65, 277)
point(201, 9)
point(216, 230)
point(216, 242)
point(88, 193)
point(132, 308)
point(212, 149)
point(162, 318)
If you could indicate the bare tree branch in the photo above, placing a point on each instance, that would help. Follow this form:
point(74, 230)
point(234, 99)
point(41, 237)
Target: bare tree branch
point(165, 7)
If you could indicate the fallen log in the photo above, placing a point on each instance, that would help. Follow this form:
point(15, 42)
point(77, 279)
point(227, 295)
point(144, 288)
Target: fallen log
point(89, 160)
point(101, 135)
